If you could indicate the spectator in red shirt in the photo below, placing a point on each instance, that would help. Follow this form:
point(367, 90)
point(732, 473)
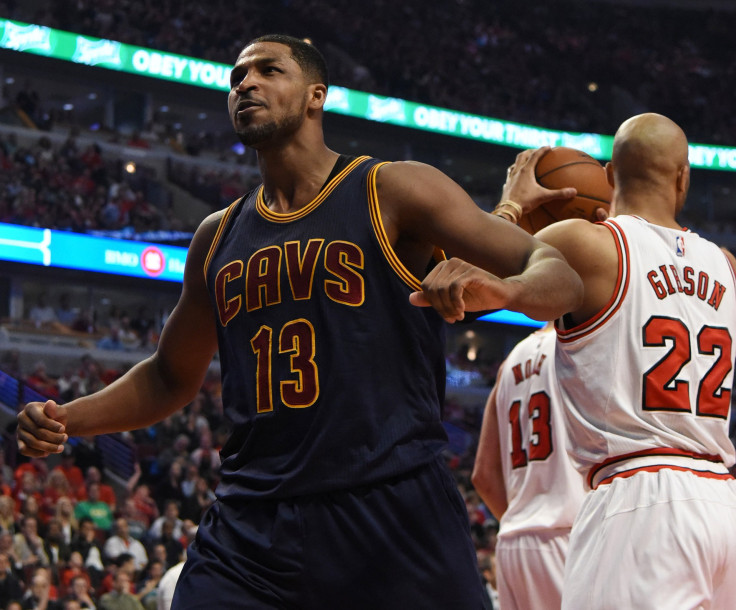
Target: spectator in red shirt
point(27, 488)
point(145, 504)
point(72, 472)
point(36, 466)
point(56, 486)
point(74, 569)
point(81, 591)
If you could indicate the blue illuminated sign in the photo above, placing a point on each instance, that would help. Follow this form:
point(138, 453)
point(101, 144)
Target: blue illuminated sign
point(51, 248)
point(511, 317)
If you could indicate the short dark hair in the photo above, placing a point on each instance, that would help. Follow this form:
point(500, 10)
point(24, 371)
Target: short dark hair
point(309, 58)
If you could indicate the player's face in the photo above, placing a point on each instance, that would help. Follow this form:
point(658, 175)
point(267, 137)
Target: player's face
point(268, 94)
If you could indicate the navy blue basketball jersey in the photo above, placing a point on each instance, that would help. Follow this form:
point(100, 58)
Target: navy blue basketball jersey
point(331, 378)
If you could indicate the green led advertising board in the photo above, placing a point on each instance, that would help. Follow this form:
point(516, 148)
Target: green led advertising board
point(113, 55)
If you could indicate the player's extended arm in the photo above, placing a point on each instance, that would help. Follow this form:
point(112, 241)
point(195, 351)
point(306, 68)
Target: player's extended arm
point(498, 265)
point(487, 474)
point(151, 390)
point(591, 251)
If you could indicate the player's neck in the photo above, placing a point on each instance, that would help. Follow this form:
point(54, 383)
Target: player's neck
point(293, 176)
point(661, 213)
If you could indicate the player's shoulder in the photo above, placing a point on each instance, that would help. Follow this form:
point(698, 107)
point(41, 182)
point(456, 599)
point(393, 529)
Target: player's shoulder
point(576, 235)
point(208, 227)
point(414, 184)
point(406, 170)
point(206, 234)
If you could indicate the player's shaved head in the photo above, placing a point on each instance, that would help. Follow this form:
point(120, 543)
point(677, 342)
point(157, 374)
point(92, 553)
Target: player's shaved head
point(648, 149)
point(650, 168)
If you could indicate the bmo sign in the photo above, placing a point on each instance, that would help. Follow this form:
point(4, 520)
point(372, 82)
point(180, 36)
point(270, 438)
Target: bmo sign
point(153, 261)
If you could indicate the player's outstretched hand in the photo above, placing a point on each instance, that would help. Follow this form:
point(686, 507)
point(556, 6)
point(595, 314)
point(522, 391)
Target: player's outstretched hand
point(455, 286)
point(521, 183)
point(41, 429)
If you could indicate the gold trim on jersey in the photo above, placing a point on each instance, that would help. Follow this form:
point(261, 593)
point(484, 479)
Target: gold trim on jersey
point(375, 212)
point(269, 214)
point(218, 236)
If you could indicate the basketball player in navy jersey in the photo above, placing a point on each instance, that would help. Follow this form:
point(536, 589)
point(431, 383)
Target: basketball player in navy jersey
point(333, 492)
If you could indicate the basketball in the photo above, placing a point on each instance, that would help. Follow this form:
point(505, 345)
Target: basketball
point(561, 167)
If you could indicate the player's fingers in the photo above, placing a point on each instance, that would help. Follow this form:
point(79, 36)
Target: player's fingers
point(457, 302)
point(51, 410)
point(30, 433)
point(564, 193)
point(419, 300)
point(27, 451)
point(30, 451)
point(519, 163)
point(439, 289)
point(521, 156)
point(37, 441)
point(449, 287)
point(534, 154)
point(43, 415)
point(601, 214)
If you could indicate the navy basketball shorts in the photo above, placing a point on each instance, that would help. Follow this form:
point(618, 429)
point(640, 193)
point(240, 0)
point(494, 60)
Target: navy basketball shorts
point(403, 544)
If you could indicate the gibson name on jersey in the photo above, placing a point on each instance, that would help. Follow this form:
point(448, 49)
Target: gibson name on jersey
point(665, 280)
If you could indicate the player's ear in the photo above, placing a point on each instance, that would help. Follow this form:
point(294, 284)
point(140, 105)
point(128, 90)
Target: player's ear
point(683, 179)
point(609, 173)
point(317, 96)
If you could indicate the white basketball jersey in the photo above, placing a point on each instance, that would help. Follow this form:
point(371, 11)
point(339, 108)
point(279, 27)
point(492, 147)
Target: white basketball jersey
point(650, 376)
point(542, 487)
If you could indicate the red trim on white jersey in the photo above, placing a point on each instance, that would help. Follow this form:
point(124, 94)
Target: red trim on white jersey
point(655, 459)
point(706, 474)
point(619, 292)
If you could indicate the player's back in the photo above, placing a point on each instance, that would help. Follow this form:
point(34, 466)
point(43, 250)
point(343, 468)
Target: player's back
point(650, 377)
point(543, 488)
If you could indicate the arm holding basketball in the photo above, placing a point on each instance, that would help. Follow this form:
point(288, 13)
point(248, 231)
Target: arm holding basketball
point(522, 188)
point(560, 167)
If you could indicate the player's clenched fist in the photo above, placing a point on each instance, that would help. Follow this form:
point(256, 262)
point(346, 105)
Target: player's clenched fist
point(41, 429)
point(455, 286)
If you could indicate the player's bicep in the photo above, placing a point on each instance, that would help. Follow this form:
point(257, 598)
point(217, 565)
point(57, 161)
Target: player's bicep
point(189, 338)
point(590, 249)
point(421, 202)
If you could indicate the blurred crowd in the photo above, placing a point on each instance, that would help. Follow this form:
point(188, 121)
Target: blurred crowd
point(75, 188)
point(69, 534)
point(574, 65)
